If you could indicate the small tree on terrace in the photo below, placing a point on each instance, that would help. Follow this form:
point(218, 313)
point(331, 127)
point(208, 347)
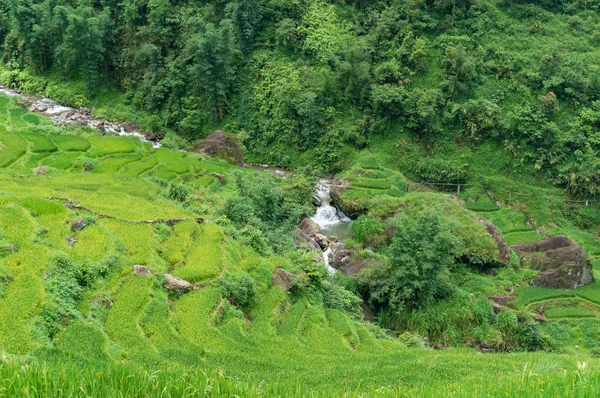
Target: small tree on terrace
point(420, 252)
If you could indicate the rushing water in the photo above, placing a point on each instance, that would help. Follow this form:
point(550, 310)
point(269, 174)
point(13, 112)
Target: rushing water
point(331, 220)
point(61, 115)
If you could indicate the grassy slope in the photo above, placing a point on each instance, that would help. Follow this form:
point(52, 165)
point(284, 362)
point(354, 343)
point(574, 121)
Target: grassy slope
point(298, 345)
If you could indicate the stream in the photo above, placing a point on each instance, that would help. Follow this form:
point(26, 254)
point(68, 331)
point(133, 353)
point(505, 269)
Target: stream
point(330, 219)
point(61, 115)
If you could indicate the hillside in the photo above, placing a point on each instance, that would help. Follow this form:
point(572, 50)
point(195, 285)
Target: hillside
point(420, 156)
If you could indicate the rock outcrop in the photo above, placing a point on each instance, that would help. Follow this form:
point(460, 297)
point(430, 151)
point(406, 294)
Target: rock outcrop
point(337, 189)
point(283, 278)
point(355, 266)
point(304, 234)
point(219, 177)
point(340, 258)
point(222, 145)
point(563, 264)
point(308, 226)
point(78, 225)
point(503, 249)
point(140, 270)
point(177, 284)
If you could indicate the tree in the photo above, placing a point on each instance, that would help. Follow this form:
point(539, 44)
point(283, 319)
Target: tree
point(421, 251)
point(460, 69)
point(83, 45)
point(247, 18)
point(212, 70)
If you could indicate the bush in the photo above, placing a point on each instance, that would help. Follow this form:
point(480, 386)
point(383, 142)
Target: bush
point(85, 164)
point(442, 171)
point(173, 141)
point(519, 336)
point(240, 290)
point(368, 231)
point(421, 251)
point(179, 191)
point(337, 297)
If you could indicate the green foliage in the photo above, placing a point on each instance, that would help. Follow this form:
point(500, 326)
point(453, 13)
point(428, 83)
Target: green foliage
point(214, 55)
point(368, 231)
point(264, 212)
point(84, 163)
point(240, 289)
point(337, 297)
point(420, 252)
point(179, 190)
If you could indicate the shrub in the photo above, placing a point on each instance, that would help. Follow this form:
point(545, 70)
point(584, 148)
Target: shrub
point(438, 170)
point(337, 297)
point(421, 251)
point(173, 141)
point(85, 164)
point(179, 191)
point(240, 290)
point(368, 231)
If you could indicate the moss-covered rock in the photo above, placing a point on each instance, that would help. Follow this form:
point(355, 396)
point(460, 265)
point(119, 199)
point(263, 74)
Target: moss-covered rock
point(563, 264)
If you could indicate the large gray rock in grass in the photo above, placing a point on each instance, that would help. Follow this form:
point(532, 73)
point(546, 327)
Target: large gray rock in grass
point(177, 284)
point(503, 256)
point(140, 270)
point(283, 278)
point(563, 264)
point(222, 145)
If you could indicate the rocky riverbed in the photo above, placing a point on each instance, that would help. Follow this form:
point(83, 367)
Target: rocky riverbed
point(61, 115)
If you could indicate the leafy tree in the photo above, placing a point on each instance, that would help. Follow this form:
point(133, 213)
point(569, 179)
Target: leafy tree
point(421, 251)
point(460, 69)
point(81, 51)
point(479, 118)
point(247, 17)
point(214, 56)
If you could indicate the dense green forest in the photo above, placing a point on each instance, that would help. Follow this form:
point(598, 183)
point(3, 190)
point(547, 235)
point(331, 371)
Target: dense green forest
point(311, 81)
point(495, 101)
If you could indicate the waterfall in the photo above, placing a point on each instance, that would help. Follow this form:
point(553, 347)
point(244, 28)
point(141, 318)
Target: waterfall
point(327, 215)
point(330, 219)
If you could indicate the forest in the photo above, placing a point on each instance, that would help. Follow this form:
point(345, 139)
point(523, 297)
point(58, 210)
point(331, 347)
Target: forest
point(310, 82)
point(406, 202)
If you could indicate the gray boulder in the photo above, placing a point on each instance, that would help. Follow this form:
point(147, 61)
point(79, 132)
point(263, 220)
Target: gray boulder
point(503, 257)
point(78, 225)
point(177, 284)
point(283, 278)
point(140, 270)
point(341, 258)
point(562, 263)
point(308, 226)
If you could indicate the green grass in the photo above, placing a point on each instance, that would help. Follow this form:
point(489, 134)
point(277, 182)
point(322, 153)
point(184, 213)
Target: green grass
point(204, 260)
point(515, 238)
point(104, 146)
point(70, 143)
point(40, 142)
point(12, 147)
point(115, 163)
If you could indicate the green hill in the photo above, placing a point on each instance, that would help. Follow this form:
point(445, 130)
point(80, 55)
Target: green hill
point(428, 116)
